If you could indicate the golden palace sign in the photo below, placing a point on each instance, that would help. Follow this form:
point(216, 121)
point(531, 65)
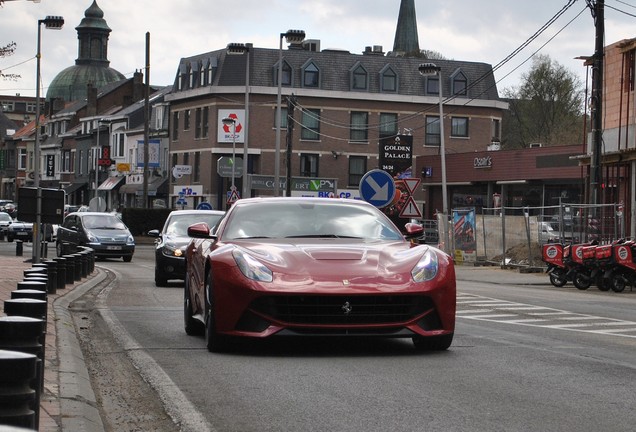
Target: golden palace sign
point(123, 167)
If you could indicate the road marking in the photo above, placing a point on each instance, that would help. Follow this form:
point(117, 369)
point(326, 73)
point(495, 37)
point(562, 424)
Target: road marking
point(475, 307)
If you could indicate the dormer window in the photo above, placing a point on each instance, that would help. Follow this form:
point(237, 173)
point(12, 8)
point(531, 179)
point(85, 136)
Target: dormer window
point(432, 85)
point(287, 74)
point(459, 83)
point(388, 79)
point(359, 78)
point(311, 75)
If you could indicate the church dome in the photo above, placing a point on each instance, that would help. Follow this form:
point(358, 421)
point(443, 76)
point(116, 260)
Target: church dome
point(91, 65)
point(71, 83)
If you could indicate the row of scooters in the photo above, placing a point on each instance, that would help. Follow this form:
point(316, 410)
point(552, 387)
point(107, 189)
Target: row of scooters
point(609, 266)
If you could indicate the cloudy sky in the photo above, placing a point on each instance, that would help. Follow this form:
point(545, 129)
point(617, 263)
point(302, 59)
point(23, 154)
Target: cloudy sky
point(484, 31)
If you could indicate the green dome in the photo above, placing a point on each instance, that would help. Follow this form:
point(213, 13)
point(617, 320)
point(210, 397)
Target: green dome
point(70, 84)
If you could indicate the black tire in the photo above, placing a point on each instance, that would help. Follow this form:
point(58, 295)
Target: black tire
point(602, 283)
point(213, 341)
point(433, 343)
point(557, 278)
point(617, 282)
point(193, 327)
point(160, 279)
point(127, 258)
point(581, 281)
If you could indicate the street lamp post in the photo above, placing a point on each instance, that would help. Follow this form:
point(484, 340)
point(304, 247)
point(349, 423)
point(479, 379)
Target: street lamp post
point(229, 121)
point(428, 69)
point(238, 48)
point(53, 23)
point(292, 36)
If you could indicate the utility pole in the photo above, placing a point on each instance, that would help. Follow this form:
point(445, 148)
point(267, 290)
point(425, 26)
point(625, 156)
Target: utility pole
point(597, 7)
point(291, 104)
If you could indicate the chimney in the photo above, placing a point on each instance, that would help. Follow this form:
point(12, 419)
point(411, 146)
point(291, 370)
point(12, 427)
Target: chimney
point(138, 86)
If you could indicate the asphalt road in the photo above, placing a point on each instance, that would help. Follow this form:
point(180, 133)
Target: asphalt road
point(525, 358)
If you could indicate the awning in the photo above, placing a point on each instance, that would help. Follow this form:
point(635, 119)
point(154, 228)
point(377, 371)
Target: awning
point(73, 187)
point(110, 183)
point(138, 188)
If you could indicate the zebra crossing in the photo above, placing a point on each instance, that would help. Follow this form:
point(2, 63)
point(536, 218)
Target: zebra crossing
point(475, 307)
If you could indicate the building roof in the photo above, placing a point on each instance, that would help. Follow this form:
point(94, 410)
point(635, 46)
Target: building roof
point(335, 68)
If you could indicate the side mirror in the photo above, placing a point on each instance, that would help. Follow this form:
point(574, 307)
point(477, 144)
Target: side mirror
point(413, 230)
point(200, 230)
point(154, 233)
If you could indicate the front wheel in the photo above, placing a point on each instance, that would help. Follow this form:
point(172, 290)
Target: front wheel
point(617, 283)
point(581, 281)
point(213, 341)
point(193, 327)
point(127, 258)
point(557, 277)
point(432, 343)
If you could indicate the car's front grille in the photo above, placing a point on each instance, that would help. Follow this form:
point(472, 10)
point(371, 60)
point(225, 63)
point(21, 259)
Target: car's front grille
point(342, 310)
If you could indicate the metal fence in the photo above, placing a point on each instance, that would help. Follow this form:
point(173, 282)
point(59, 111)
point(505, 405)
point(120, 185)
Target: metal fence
point(500, 230)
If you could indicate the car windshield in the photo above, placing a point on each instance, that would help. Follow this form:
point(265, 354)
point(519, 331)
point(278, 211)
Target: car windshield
point(5, 217)
point(105, 221)
point(177, 224)
point(317, 219)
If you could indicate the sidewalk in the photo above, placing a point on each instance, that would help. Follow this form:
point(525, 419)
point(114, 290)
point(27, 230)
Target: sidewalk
point(55, 364)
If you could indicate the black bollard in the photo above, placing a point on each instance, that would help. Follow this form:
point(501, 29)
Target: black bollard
point(18, 333)
point(78, 266)
point(17, 370)
point(26, 307)
point(29, 293)
point(61, 272)
point(18, 248)
point(70, 269)
point(38, 270)
point(51, 271)
point(32, 284)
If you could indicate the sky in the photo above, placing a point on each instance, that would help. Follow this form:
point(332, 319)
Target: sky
point(487, 31)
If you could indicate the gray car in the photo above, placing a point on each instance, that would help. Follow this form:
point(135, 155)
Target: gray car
point(105, 233)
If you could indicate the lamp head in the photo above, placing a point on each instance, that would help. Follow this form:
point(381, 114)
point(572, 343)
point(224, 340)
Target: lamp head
point(294, 36)
point(53, 22)
point(229, 121)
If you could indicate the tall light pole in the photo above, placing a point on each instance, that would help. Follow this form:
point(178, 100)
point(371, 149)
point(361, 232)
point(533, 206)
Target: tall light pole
point(292, 36)
point(233, 49)
point(229, 121)
point(53, 23)
point(429, 69)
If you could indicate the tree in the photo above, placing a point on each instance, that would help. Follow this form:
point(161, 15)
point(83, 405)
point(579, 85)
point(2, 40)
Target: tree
point(6, 51)
point(547, 108)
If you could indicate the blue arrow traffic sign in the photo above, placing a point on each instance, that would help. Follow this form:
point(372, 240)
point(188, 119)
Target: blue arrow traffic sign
point(204, 206)
point(377, 188)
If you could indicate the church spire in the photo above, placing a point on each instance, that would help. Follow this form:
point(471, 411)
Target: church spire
point(406, 41)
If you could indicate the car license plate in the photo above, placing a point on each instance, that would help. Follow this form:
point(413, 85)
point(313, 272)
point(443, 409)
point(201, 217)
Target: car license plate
point(113, 247)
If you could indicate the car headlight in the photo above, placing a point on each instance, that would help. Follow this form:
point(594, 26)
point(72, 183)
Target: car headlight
point(426, 268)
point(130, 240)
point(172, 249)
point(251, 267)
point(91, 237)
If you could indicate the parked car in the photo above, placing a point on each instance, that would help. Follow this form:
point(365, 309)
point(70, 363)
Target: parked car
point(4, 202)
point(322, 267)
point(20, 231)
point(105, 233)
point(5, 221)
point(173, 239)
point(11, 209)
point(547, 234)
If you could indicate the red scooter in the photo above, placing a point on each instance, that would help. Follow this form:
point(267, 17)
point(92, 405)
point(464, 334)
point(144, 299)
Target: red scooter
point(624, 270)
point(554, 255)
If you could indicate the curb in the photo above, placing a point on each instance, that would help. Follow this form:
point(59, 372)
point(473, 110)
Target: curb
point(77, 398)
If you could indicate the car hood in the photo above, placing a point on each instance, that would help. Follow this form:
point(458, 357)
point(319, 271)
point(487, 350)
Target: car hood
point(110, 234)
point(359, 263)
